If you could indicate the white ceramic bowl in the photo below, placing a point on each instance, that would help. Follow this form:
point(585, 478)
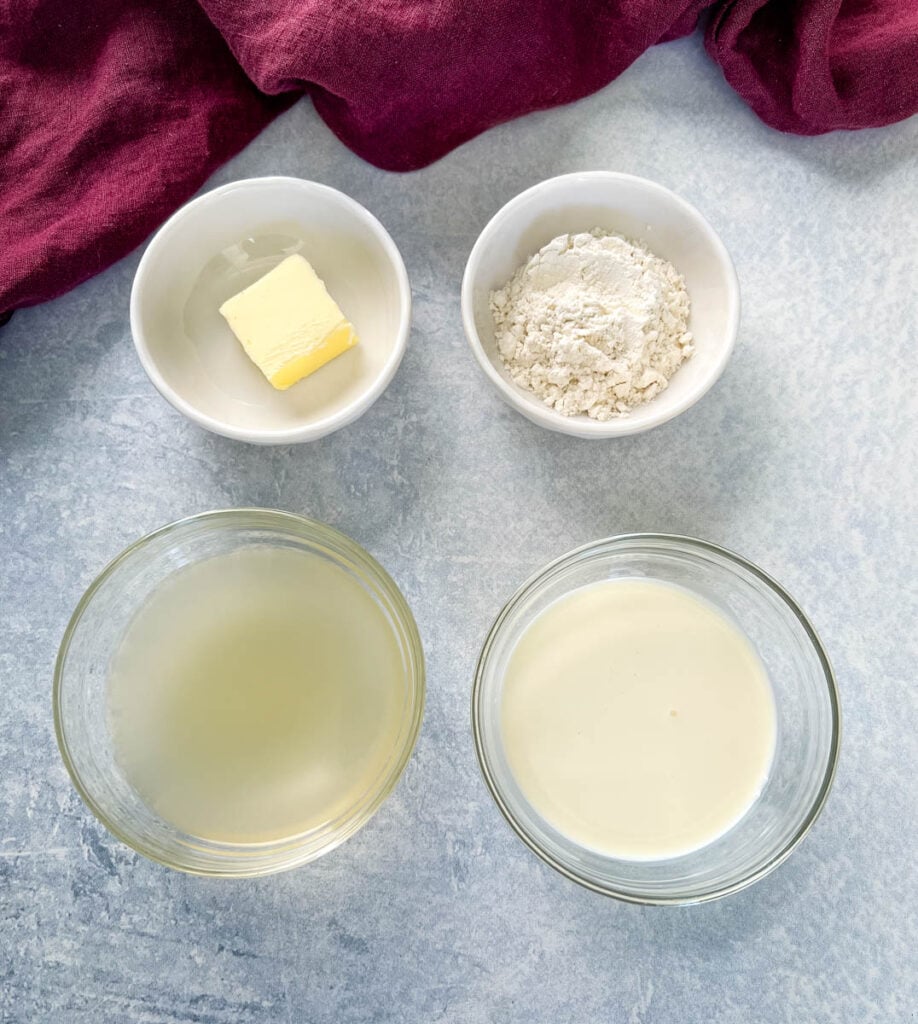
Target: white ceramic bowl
point(222, 242)
point(640, 210)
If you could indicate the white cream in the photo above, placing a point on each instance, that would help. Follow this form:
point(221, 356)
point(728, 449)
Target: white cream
point(637, 720)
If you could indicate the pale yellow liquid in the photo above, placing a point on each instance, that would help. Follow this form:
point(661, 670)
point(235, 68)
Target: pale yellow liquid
point(256, 695)
point(637, 720)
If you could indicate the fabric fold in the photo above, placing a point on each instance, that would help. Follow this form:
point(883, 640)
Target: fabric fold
point(814, 66)
point(109, 120)
point(403, 82)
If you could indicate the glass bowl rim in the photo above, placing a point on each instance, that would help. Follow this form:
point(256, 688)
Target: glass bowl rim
point(605, 545)
point(284, 854)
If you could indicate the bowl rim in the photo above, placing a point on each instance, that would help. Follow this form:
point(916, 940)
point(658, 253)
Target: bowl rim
point(316, 428)
point(581, 425)
point(285, 855)
point(692, 543)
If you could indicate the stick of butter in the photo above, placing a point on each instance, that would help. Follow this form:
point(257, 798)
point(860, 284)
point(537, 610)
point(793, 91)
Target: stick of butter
point(288, 324)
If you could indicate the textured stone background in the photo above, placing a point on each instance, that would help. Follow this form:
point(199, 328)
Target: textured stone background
point(803, 458)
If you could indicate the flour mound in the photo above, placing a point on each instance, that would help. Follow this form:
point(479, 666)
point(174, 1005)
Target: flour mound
point(593, 324)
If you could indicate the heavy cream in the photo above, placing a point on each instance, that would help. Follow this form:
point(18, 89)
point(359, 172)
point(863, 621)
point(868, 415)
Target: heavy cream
point(637, 719)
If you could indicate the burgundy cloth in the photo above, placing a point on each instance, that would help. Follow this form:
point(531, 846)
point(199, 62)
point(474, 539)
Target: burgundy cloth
point(114, 112)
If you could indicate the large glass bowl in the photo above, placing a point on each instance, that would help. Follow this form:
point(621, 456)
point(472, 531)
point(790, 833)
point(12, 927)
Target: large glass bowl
point(806, 702)
point(95, 633)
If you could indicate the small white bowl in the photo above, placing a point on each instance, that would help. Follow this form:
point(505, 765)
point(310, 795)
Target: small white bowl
point(640, 210)
point(222, 242)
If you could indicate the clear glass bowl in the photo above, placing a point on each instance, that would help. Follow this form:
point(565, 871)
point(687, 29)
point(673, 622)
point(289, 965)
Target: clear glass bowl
point(95, 632)
point(807, 709)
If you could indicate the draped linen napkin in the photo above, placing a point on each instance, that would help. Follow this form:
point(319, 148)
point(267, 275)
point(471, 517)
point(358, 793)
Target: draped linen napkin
point(113, 113)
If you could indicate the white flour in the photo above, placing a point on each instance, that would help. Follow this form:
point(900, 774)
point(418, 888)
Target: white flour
point(593, 324)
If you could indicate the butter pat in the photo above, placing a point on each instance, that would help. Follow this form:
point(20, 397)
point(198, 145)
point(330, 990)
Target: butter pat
point(288, 324)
